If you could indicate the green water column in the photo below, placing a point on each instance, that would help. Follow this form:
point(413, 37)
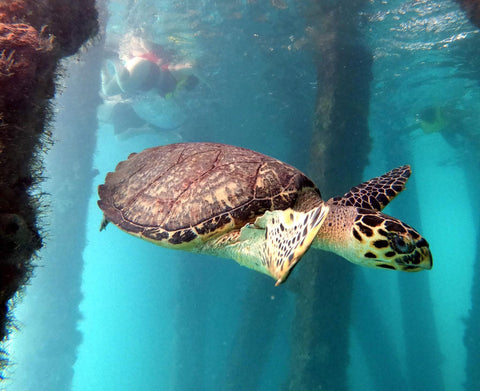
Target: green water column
point(339, 153)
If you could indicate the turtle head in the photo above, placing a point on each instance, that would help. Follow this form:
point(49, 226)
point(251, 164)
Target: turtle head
point(370, 238)
point(356, 229)
point(381, 241)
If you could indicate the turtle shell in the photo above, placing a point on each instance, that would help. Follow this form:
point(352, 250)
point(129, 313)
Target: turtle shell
point(179, 193)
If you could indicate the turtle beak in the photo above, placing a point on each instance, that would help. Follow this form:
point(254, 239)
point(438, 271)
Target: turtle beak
point(427, 263)
point(419, 259)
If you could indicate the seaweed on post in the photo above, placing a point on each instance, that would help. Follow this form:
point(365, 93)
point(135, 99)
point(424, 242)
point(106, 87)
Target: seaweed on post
point(34, 36)
point(339, 152)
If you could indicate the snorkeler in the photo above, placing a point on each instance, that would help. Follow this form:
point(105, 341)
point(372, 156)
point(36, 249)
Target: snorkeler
point(432, 120)
point(138, 82)
point(451, 123)
point(147, 68)
point(135, 76)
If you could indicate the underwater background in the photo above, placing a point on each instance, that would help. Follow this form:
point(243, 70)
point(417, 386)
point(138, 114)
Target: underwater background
point(399, 81)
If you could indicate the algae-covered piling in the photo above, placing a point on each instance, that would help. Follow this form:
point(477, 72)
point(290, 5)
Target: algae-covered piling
point(339, 152)
point(34, 36)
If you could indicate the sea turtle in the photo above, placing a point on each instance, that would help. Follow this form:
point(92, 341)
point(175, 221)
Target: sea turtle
point(236, 203)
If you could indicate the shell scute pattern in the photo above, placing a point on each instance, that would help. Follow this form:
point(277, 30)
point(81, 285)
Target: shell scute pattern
point(180, 192)
point(211, 225)
point(154, 233)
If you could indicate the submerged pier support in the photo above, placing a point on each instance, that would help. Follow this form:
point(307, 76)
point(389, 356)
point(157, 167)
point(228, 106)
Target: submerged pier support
point(339, 153)
point(471, 338)
point(34, 36)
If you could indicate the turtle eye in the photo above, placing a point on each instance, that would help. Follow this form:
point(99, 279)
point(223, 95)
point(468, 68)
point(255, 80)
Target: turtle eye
point(400, 245)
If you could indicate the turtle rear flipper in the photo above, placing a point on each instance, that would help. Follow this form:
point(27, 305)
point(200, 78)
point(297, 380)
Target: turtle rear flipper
point(377, 192)
point(288, 235)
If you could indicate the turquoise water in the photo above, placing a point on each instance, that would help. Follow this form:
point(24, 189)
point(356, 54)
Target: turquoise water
point(157, 319)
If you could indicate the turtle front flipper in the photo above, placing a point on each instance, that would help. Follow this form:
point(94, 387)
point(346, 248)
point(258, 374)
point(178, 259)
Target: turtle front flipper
point(285, 236)
point(377, 192)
